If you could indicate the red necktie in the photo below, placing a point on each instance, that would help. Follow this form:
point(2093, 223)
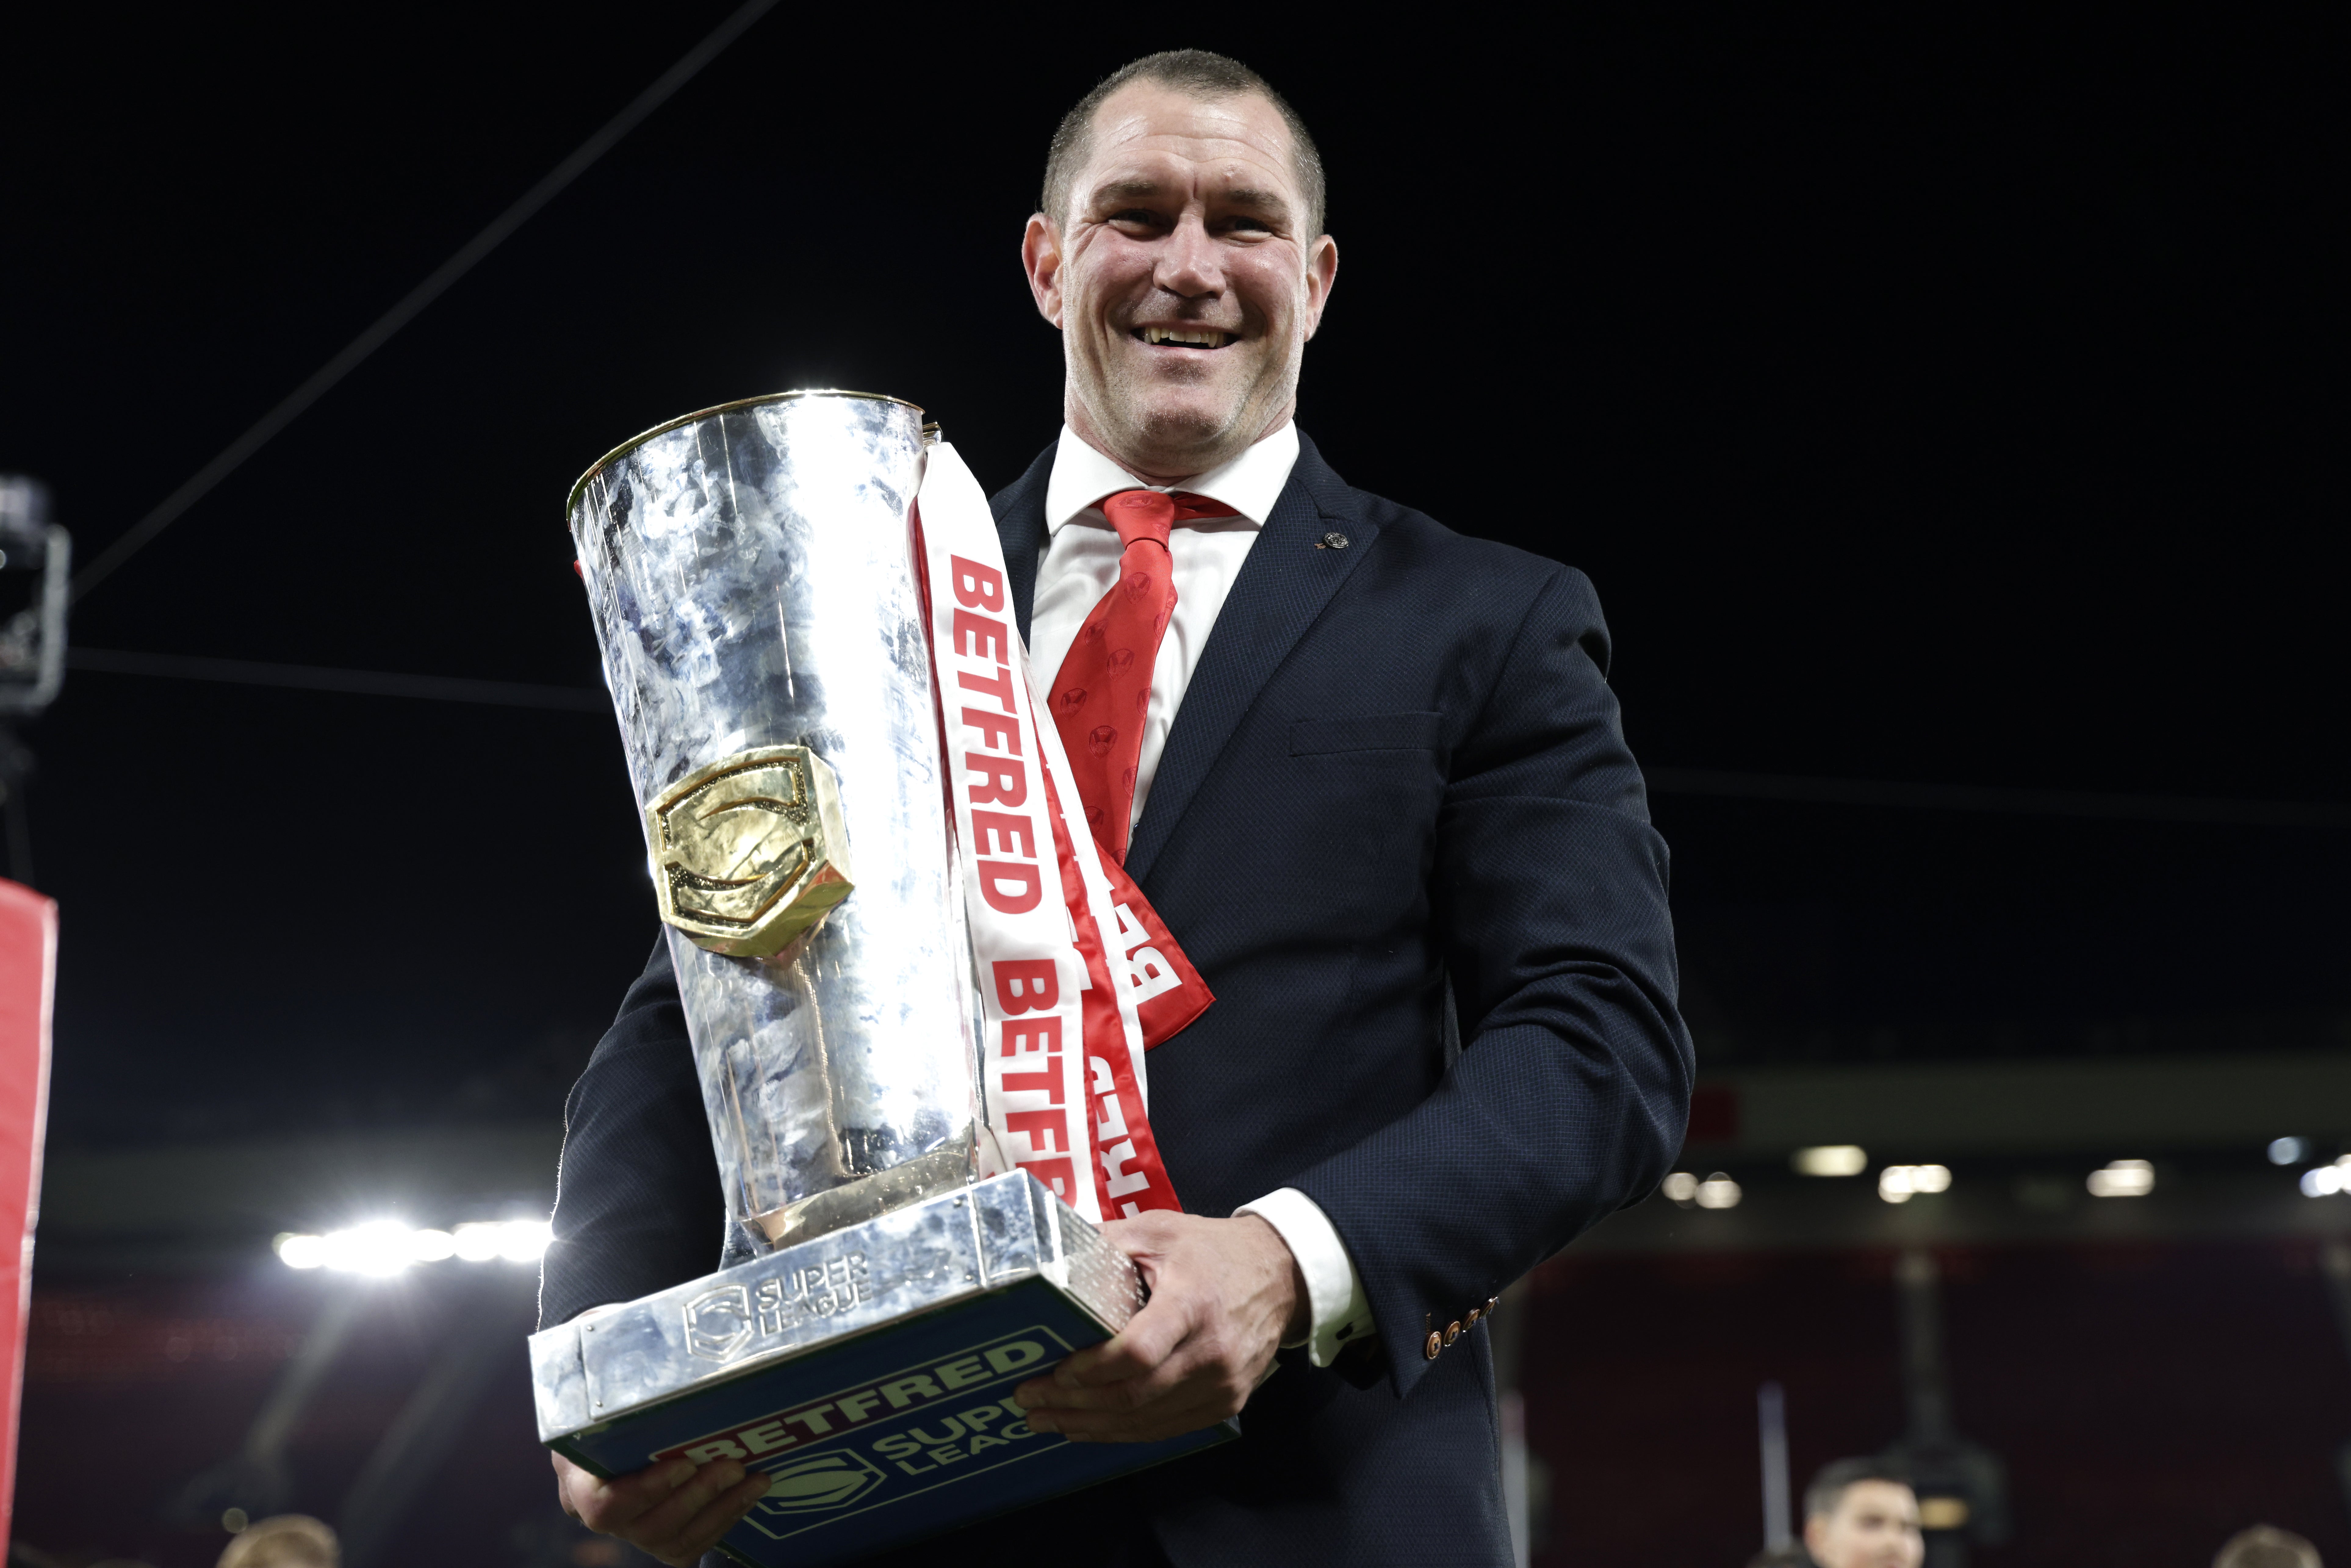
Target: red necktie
point(1104, 690)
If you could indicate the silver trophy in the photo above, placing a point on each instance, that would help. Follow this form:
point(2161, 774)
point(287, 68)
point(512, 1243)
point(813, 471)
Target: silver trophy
point(750, 570)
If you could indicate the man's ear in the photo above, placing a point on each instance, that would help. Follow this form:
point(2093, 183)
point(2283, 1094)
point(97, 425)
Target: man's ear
point(1321, 274)
point(1041, 257)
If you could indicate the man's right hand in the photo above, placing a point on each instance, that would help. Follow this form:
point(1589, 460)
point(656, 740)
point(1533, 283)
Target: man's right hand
point(676, 1512)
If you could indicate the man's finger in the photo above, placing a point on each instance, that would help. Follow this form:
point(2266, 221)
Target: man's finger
point(667, 1519)
point(1192, 1360)
point(1133, 1351)
point(703, 1532)
point(1145, 1235)
point(1195, 1374)
point(1149, 1338)
point(610, 1505)
point(1188, 1411)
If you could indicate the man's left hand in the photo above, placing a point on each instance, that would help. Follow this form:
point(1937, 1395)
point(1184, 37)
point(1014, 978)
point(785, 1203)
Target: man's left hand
point(1225, 1293)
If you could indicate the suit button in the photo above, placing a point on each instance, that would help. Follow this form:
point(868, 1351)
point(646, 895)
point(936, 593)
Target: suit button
point(1452, 1332)
point(1436, 1342)
point(1472, 1321)
point(1491, 1302)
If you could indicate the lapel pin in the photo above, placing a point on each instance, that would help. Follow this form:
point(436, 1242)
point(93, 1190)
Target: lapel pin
point(1331, 541)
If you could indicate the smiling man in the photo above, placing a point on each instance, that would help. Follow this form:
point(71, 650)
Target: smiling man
point(1369, 773)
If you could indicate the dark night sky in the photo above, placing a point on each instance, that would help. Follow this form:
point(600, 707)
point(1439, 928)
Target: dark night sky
point(1959, 405)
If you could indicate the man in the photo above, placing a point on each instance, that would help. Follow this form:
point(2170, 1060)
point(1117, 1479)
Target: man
point(2266, 1546)
point(285, 1540)
point(1861, 1513)
point(1382, 798)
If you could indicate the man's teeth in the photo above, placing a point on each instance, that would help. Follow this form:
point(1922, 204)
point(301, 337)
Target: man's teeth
point(1192, 337)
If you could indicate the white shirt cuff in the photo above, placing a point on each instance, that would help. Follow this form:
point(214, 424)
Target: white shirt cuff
point(1337, 1312)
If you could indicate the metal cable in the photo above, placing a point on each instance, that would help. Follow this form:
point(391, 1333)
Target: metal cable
point(1798, 790)
point(353, 683)
point(1792, 789)
point(143, 532)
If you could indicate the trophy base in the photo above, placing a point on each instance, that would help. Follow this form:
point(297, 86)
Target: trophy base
point(869, 1372)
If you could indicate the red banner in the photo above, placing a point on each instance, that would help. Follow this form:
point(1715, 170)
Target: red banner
point(1065, 1087)
point(29, 947)
point(1168, 992)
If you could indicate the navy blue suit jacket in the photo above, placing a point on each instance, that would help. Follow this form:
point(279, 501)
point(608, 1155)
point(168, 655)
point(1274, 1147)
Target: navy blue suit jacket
point(1396, 785)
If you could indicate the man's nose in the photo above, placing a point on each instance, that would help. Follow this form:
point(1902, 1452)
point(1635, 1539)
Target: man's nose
point(1189, 263)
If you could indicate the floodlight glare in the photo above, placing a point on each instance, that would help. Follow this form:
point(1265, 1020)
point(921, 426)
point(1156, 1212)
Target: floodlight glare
point(1831, 1160)
point(379, 1247)
point(1900, 1184)
point(384, 1246)
point(2322, 1181)
point(1717, 1191)
point(478, 1242)
point(2287, 1151)
point(2123, 1178)
point(523, 1240)
point(297, 1251)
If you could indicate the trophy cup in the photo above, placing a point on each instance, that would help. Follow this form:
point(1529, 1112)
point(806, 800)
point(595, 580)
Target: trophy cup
point(759, 597)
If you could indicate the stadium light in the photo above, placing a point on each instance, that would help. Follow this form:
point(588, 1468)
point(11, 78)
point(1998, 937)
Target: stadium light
point(383, 1248)
point(1717, 1191)
point(2123, 1178)
point(1900, 1184)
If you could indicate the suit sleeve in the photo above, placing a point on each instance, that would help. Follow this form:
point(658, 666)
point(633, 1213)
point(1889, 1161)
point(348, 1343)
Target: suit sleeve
point(638, 1206)
point(1572, 1090)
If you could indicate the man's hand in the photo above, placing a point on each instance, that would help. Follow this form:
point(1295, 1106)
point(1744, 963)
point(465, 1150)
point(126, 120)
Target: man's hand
point(1225, 1293)
point(674, 1510)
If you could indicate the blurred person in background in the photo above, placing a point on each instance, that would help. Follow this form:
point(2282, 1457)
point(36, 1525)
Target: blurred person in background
point(2267, 1547)
point(287, 1541)
point(1861, 1513)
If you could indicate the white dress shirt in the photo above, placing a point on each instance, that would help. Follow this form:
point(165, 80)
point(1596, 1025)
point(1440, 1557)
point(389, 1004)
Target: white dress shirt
point(1077, 566)
point(1080, 564)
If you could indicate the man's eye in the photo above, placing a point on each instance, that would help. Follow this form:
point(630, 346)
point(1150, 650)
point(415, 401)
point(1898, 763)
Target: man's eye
point(1136, 216)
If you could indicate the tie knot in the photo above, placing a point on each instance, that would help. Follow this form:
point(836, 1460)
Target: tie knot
point(1149, 513)
point(1139, 515)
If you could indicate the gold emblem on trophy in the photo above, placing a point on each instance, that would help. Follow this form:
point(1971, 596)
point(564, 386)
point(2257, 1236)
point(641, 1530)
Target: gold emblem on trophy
point(750, 851)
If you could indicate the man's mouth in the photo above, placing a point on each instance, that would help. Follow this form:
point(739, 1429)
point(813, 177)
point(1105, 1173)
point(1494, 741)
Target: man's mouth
point(1185, 336)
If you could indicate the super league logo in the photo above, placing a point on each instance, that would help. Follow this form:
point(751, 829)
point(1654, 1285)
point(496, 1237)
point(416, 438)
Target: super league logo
point(719, 1323)
point(819, 1481)
point(749, 851)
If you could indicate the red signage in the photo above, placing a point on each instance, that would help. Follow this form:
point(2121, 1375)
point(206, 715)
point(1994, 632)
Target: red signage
point(28, 953)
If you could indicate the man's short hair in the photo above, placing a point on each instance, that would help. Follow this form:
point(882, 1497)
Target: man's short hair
point(1203, 75)
point(1828, 1487)
point(2267, 1547)
point(288, 1541)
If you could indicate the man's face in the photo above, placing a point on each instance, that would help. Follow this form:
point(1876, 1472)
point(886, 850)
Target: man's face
point(1182, 278)
point(1876, 1525)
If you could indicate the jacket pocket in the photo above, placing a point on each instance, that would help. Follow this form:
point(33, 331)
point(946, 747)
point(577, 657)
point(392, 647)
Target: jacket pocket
point(1367, 732)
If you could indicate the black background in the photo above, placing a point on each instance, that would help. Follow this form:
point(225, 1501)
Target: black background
point(1930, 400)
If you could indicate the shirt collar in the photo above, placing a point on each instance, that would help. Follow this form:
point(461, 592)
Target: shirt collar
point(1249, 484)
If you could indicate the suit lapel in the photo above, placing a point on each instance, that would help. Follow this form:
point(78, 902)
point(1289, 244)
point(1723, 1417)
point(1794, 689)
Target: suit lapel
point(1282, 587)
point(1019, 511)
